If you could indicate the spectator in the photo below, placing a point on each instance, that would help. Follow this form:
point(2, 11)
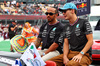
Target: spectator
point(8, 4)
point(5, 33)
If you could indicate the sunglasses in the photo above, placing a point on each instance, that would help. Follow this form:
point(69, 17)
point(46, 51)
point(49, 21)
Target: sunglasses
point(64, 11)
point(50, 13)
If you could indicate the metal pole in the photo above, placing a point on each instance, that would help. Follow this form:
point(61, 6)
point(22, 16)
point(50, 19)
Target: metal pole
point(24, 20)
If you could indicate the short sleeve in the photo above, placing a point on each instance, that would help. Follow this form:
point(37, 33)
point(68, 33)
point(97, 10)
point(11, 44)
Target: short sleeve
point(87, 27)
point(60, 39)
point(60, 36)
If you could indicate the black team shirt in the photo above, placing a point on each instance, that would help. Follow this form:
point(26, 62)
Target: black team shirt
point(11, 33)
point(50, 34)
point(76, 34)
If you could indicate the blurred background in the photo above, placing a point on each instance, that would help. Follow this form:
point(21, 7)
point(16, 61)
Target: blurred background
point(33, 11)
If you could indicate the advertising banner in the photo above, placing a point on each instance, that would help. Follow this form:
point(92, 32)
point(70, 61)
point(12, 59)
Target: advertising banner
point(82, 5)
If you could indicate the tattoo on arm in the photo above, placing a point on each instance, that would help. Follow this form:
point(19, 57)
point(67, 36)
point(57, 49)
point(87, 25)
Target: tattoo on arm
point(38, 42)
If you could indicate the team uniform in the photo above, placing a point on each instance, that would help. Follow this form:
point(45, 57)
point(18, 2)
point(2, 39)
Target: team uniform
point(76, 35)
point(50, 34)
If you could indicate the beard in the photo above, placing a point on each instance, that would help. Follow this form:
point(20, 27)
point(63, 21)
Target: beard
point(50, 19)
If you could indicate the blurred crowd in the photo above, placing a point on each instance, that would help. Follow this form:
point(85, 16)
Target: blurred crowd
point(4, 30)
point(19, 8)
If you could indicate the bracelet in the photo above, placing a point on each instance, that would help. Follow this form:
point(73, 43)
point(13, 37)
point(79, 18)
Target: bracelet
point(82, 53)
point(43, 54)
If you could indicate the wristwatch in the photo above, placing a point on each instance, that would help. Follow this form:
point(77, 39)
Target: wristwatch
point(43, 54)
point(82, 53)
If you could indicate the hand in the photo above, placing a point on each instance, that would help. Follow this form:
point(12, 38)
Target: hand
point(65, 60)
point(77, 58)
point(41, 55)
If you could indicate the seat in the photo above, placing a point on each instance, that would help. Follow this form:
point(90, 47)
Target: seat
point(50, 63)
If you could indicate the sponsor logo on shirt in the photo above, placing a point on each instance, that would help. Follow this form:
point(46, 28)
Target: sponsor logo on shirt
point(44, 31)
point(52, 33)
point(77, 30)
point(68, 32)
point(54, 29)
point(77, 26)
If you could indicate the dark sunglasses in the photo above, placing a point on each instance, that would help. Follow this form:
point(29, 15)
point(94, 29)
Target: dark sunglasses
point(49, 13)
point(64, 11)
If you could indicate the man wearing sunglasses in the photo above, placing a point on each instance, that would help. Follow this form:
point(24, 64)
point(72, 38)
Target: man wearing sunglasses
point(78, 34)
point(49, 34)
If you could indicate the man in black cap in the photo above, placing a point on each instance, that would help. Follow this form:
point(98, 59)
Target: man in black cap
point(12, 32)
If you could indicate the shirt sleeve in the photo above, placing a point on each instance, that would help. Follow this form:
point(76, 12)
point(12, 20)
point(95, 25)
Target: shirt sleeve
point(87, 27)
point(59, 40)
point(60, 36)
point(40, 32)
